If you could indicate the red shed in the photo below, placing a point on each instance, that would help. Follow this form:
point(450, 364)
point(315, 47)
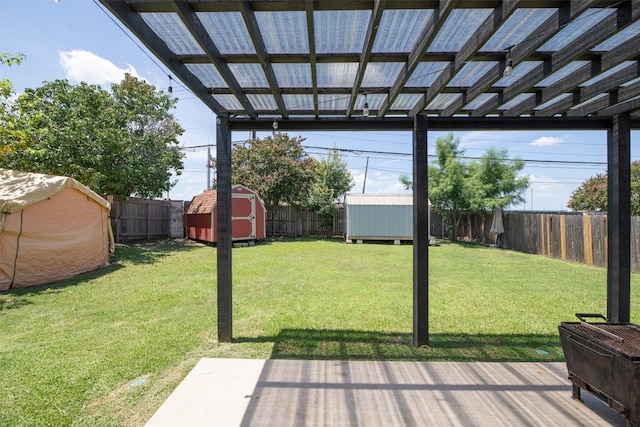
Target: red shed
point(247, 211)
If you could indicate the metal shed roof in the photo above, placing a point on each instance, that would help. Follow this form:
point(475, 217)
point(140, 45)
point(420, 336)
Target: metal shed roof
point(379, 199)
point(315, 59)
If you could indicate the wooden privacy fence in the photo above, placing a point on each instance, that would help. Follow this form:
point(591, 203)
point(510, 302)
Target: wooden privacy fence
point(570, 236)
point(287, 221)
point(142, 219)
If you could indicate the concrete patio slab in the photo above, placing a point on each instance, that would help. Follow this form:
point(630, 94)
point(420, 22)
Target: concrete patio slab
point(239, 392)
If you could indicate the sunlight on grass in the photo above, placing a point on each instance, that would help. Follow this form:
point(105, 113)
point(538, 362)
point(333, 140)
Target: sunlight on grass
point(106, 348)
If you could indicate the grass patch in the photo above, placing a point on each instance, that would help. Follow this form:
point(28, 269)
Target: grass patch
point(108, 347)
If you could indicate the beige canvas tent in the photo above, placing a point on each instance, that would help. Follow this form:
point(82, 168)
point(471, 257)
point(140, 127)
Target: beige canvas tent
point(51, 228)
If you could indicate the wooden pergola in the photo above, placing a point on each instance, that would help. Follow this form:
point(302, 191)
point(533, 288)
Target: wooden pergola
point(414, 65)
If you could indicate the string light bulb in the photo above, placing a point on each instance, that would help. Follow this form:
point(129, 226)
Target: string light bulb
point(170, 87)
point(274, 125)
point(365, 110)
point(508, 70)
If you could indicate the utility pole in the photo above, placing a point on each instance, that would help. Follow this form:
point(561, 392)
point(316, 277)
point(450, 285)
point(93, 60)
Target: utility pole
point(531, 198)
point(208, 168)
point(366, 168)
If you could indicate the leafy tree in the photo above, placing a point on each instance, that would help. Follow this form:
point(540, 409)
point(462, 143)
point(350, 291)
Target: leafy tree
point(591, 195)
point(406, 181)
point(6, 86)
point(152, 138)
point(120, 143)
point(276, 167)
point(332, 181)
point(456, 187)
point(499, 180)
point(450, 188)
point(6, 91)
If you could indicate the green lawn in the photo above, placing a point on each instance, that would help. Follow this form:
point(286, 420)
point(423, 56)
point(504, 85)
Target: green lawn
point(108, 347)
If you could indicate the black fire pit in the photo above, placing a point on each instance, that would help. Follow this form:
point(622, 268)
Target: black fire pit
point(604, 359)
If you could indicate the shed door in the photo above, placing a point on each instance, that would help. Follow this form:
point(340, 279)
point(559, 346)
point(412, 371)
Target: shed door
point(244, 216)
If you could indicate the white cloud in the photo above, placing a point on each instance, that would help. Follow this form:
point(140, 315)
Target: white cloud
point(547, 140)
point(85, 66)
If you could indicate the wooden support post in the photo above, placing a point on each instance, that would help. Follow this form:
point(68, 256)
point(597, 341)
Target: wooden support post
point(223, 228)
point(420, 234)
point(619, 219)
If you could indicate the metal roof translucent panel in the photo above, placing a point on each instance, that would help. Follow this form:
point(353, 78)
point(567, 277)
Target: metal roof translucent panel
point(516, 100)
point(426, 73)
point(170, 28)
point(400, 29)
point(208, 74)
point(333, 102)
point(619, 38)
point(228, 31)
point(471, 73)
point(519, 71)
point(263, 102)
point(589, 101)
point(340, 31)
point(284, 32)
point(480, 100)
point(608, 73)
point(458, 29)
point(563, 72)
point(293, 75)
point(336, 74)
point(374, 100)
point(442, 101)
point(229, 102)
point(249, 75)
point(576, 29)
point(517, 28)
point(381, 74)
point(406, 101)
point(555, 100)
point(631, 82)
point(298, 101)
point(302, 116)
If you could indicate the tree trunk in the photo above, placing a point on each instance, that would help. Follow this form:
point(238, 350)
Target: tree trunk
point(456, 217)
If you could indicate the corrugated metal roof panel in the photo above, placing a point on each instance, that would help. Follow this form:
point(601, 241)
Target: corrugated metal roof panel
point(517, 28)
point(207, 74)
point(229, 32)
point(577, 28)
point(284, 32)
point(400, 29)
point(379, 74)
point(173, 32)
point(340, 31)
point(293, 75)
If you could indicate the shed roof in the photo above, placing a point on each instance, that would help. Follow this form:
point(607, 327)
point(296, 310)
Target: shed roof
point(309, 60)
point(203, 202)
point(206, 201)
point(379, 199)
point(21, 189)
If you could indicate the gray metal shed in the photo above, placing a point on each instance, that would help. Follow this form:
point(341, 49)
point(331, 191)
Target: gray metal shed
point(378, 217)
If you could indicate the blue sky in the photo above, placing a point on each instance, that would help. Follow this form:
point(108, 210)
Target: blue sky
point(76, 40)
